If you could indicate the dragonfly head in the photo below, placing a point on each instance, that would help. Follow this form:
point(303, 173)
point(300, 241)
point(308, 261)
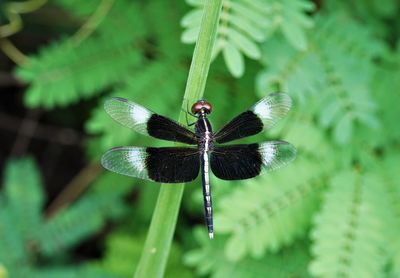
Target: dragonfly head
point(201, 105)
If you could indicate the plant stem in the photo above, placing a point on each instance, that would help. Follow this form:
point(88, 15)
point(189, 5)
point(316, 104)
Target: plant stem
point(159, 237)
point(12, 52)
point(93, 21)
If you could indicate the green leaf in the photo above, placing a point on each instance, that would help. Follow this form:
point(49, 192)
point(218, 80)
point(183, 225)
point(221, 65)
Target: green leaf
point(294, 22)
point(330, 113)
point(192, 18)
point(344, 129)
point(233, 59)
point(190, 35)
point(254, 31)
point(249, 48)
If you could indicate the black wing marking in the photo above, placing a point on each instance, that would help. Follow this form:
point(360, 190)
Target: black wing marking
point(238, 162)
point(243, 125)
point(168, 165)
point(146, 122)
point(264, 114)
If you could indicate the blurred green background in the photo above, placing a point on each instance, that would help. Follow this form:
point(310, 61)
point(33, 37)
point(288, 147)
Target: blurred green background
point(333, 212)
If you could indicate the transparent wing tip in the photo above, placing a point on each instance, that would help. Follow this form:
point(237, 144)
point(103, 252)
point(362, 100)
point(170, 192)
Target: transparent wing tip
point(277, 154)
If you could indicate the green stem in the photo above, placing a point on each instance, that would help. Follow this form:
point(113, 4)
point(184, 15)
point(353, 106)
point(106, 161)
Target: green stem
point(159, 237)
point(93, 21)
point(12, 52)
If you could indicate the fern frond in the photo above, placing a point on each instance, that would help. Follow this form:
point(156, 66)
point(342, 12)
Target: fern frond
point(24, 195)
point(390, 209)
point(244, 24)
point(20, 212)
point(293, 20)
point(349, 99)
point(289, 262)
point(66, 229)
point(348, 235)
point(64, 72)
point(274, 210)
point(23, 233)
point(11, 240)
point(241, 27)
point(286, 69)
point(269, 213)
point(59, 77)
point(327, 68)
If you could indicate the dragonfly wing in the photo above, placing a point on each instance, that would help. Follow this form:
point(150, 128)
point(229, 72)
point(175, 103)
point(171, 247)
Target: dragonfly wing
point(167, 165)
point(146, 122)
point(244, 161)
point(262, 115)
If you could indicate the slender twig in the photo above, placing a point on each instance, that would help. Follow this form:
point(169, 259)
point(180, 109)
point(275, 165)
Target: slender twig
point(13, 11)
point(49, 133)
point(12, 27)
point(8, 80)
point(25, 132)
point(157, 246)
point(12, 52)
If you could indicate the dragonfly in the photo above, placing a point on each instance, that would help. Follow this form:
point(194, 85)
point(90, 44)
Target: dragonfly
point(207, 151)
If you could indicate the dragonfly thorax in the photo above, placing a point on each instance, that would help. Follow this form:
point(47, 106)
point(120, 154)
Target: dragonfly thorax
point(204, 133)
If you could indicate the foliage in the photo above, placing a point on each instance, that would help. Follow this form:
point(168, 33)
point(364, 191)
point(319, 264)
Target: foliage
point(245, 24)
point(257, 222)
point(349, 238)
point(290, 262)
point(340, 62)
point(25, 233)
point(123, 252)
point(328, 66)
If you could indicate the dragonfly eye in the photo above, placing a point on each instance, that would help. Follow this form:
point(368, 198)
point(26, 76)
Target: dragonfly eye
point(201, 105)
